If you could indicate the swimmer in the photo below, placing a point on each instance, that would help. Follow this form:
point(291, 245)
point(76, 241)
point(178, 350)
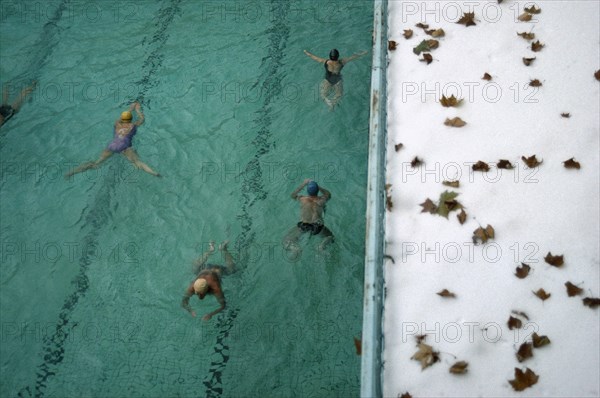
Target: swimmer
point(311, 216)
point(333, 76)
point(124, 130)
point(9, 110)
point(208, 280)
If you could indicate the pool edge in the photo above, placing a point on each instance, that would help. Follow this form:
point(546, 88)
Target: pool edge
point(372, 338)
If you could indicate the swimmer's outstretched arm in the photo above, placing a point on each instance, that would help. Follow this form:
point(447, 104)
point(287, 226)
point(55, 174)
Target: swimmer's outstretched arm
point(295, 193)
point(221, 299)
point(318, 59)
point(326, 193)
point(353, 57)
point(185, 302)
point(138, 110)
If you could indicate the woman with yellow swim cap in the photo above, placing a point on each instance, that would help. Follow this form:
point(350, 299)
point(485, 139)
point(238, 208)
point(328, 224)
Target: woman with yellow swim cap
point(124, 130)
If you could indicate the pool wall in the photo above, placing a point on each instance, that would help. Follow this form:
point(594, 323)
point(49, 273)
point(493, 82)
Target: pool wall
point(372, 338)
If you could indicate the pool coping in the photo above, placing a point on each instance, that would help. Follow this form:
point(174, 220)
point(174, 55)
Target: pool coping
point(372, 337)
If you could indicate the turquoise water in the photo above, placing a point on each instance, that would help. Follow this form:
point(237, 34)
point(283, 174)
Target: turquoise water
point(94, 267)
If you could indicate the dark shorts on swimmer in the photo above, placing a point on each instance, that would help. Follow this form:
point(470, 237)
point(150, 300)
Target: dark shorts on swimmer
point(7, 112)
point(314, 229)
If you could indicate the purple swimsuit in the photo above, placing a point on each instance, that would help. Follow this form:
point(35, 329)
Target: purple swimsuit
point(119, 144)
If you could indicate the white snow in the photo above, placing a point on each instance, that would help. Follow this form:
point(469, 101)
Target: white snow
point(533, 211)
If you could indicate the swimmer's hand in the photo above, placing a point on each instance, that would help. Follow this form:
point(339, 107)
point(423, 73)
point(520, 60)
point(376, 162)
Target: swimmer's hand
point(207, 317)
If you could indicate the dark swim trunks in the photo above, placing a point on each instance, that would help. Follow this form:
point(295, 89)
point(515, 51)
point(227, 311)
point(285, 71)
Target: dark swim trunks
point(332, 78)
point(7, 112)
point(314, 229)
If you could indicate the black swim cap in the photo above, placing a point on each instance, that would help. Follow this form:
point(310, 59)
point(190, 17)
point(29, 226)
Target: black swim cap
point(334, 54)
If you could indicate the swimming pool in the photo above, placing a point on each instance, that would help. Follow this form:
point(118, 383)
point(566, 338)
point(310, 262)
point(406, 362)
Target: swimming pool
point(94, 267)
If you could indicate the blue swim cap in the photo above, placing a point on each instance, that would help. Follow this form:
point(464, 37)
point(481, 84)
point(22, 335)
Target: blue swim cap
point(312, 188)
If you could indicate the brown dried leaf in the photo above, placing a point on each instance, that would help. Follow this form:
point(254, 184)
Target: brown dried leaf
point(483, 234)
point(455, 122)
point(522, 271)
point(572, 164)
point(481, 166)
point(505, 164)
point(358, 346)
point(573, 290)
point(408, 33)
point(523, 380)
point(537, 46)
point(535, 83)
point(388, 198)
point(487, 76)
point(528, 61)
point(420, 338)
point(426, 58)
point(539, 341)
point(453, 184)
point(429, 207)
point(542, 294)
point(392, 45)
point(591, 302)
point(406, 395)
point(514, 323)
point(416, 162)
point(525, 17)
point(531, 161)
point(525, 351)
point(520, 313)
point(436, 32)
point(448, 102)
point(459, 368)
point(533, 10)
point(397, 147)
point(468, 19)
point(446, 293)
point(527, 36)
point(462, 216)
point(565, 115)
point(597, 74)
point(556, 261)
point(426, 355)
point(422, 26)
point(433, 44)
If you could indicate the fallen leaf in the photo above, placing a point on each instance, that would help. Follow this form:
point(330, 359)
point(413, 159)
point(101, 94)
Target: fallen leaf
point(556, 261)
point(392, 45)
point(433, 44)
point(525, 351)
point(406, 395)
point(527, 36)
point(446, 293)
point(447, 203)
point(462, 216)
point(481, 166)
point(528, 61)
point(533, 10)
point(455, 122)
point(514, 323)
point(426, 58)
point(525, 17)
point(504, 164)
point(468, 19)
point(542, 294)
point(358, 346)
point(535, 83)
point(407, 33)
point(422, 26)
point(522, 271)
point(420, 338)
point(597, 74)
point(428, 207)
point(388, 198)
point(591, 302)
point(566, 115)
point(523, 380)
point(448, 102)
point(453, 184)
point(537, 46)
point(531, 161)
point(572, 164)
point(520, 313)
point(397, 147)
point(483, 234)
point(487, 76)
point(416, 162)
point(387, 256)
point(573, 290)
point(426, 355)
point(459, 368)
point(426, 45)
point(436, 32)
point(539, 341)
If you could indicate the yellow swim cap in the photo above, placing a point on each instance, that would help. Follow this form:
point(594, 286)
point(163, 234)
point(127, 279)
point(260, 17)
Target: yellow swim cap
point(200, 286)
point(126, 116)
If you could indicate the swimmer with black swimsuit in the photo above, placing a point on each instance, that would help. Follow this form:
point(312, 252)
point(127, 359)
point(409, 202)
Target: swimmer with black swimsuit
point(9, 110)
point(124, 130)
point(311, 216)
point(333, 77)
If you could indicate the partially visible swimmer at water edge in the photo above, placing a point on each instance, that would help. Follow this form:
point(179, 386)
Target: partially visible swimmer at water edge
point(7, 110)
point(124, 130)
point(333, 82)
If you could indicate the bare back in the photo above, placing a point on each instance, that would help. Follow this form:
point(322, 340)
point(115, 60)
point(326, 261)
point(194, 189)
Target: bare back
point(311, 209)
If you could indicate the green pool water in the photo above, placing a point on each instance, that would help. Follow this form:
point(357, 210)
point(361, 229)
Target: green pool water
point(93, 268)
